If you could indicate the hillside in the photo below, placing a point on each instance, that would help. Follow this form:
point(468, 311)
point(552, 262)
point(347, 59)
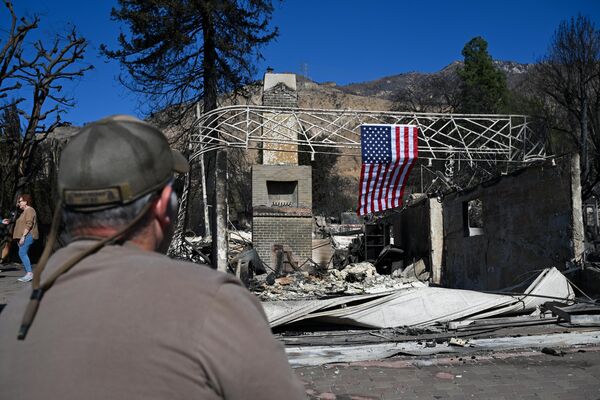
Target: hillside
point(387, 87)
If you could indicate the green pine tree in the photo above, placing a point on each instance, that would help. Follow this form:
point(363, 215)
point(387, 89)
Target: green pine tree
point(483, 86)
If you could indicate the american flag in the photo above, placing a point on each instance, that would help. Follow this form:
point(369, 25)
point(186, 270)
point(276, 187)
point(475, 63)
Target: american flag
point(388, 155)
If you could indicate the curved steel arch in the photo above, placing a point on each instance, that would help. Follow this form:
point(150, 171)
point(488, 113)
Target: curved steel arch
point(470, 137)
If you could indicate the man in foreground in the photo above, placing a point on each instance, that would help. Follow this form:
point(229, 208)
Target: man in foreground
point(110, 317)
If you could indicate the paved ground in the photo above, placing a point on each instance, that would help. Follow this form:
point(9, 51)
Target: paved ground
point(491, 375)
point(523, 375)
point(9, 273)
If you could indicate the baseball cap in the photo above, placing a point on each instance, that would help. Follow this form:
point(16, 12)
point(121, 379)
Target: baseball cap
point(115, 161)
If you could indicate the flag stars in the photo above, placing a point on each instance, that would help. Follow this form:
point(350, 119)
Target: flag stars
point(376, 144)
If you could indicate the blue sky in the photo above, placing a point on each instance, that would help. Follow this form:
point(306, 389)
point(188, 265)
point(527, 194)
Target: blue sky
point(343, 41)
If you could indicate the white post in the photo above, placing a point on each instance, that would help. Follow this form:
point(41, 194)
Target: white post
point(203, 178)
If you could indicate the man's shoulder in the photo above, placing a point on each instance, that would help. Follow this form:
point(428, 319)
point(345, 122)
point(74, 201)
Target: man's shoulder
point(151, 258)
point(128, 260)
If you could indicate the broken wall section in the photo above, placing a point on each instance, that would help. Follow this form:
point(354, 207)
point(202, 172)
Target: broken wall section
point(419, 232)
point(530, 220)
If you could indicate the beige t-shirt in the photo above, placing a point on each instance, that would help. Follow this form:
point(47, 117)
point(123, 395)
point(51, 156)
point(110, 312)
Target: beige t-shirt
point(130, 324)
point(27, 219)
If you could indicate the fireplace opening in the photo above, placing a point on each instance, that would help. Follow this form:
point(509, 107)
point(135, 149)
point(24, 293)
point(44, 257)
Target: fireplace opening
point(283, 193)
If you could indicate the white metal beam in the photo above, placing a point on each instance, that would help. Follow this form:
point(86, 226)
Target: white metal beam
point(475, 138)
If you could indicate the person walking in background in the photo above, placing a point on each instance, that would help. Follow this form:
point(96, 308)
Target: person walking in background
point(25, 231)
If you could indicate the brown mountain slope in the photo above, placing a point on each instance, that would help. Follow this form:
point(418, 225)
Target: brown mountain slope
point(387, 87)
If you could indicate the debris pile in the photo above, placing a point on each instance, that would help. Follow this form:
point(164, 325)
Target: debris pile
point(359, 278)
point(356, 272)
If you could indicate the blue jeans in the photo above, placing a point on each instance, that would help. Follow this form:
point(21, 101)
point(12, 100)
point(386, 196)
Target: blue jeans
point(23, 252)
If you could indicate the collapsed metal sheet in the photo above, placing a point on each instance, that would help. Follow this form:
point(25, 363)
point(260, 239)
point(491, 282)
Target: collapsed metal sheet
point(285, 312)
point(420, 306)
point(302, 356)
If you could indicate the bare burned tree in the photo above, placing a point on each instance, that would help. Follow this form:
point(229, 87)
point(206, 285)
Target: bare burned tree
point(569, 78)
point(31, 78)
point(435, 93)
point(44, 74)
point(11, 51)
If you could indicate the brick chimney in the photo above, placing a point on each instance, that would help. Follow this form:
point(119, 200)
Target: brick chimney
point(281, 189)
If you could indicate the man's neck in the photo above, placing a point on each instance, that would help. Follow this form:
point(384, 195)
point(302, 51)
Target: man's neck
point(141, 239)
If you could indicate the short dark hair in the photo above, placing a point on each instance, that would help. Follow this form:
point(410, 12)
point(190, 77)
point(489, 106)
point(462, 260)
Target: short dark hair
point(116, 217)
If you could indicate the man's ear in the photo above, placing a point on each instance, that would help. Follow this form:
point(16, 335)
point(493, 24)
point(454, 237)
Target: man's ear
point(161, 207)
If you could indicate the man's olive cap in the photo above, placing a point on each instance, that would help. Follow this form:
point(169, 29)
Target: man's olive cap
point(115, 161)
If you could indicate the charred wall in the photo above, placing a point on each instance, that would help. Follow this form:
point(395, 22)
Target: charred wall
point(530, 220)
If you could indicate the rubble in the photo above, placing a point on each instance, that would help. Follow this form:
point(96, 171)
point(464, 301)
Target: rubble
point(356, 272)
point(553, 352)
point(453, 341)
point(389, 260)
point(322, 252)
point(360, 278)
point(417, 270)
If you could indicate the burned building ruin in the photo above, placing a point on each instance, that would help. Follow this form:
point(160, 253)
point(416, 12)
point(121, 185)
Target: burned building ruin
point(527, 220)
